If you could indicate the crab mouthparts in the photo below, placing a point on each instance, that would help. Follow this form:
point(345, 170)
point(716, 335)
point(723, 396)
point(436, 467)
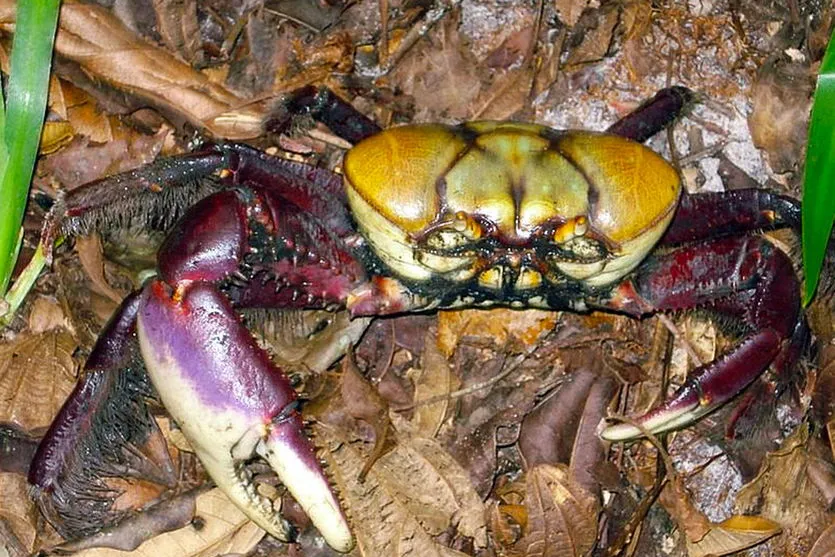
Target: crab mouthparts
point(232, 403)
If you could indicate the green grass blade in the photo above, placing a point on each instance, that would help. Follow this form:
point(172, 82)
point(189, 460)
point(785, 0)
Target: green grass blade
point(25, 107)
point(818, 209)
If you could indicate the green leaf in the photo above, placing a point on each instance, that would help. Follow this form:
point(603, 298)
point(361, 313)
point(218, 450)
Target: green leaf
point(25, 108)
point(818, 208)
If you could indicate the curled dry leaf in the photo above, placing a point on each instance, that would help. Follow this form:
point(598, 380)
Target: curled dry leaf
point(102, 46)
point(219, 528)
point(89, 249)
point(389, 516)
point(734, 534)
point(550, 513)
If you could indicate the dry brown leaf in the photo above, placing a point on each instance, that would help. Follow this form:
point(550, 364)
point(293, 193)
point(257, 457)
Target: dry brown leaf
point(104, 48)
point(778, 121)
point(734, 534)
point(508, 95)
point(569, 10)
point(89, 249)
point(434, 379)
point(222, 529)
point(784, 492)
point(596, 38)
point(442, 75)
point(825, 545)
point(560, 518)
point(677, 502)
point(37, 373)
point(18, 509)
point(497, 326)
point(413, 493)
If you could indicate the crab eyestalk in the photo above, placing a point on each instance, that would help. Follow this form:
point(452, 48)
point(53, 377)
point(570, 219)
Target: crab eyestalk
point(233, 403)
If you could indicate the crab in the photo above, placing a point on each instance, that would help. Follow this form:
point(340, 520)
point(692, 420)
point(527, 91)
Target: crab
point(422, 217)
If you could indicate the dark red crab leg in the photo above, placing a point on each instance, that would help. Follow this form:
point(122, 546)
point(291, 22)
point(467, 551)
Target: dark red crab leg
point(654, 115)
point(746, 278)
point(99, 432)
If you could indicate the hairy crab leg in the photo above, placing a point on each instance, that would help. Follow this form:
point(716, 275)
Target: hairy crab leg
point(761, 291)
point(82, 445)
point(232, 403)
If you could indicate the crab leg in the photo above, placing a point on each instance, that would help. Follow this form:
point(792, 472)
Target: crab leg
point(761, 291)
point(654, 115)
point(232, 403)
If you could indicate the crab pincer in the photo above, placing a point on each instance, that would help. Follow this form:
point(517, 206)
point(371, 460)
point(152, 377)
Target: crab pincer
point(232, 404)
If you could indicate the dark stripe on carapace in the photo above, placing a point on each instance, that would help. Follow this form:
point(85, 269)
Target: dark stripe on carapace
point(593, 194)
point(469, 137)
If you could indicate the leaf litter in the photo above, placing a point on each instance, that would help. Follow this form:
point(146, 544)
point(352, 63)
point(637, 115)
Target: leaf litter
point(492, 413)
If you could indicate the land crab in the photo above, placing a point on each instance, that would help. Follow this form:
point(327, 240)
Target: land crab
point(423, 217)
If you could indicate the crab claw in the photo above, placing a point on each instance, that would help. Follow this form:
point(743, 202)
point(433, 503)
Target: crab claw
point(232, 403)
point(709, 388)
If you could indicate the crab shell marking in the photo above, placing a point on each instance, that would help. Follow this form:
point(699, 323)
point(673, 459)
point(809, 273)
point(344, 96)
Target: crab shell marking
point(416, 186)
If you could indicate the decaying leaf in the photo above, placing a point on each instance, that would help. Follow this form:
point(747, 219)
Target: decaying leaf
point(569, 10)
point(37, 373)
point(497, 326)
point(411, 494)
point(595, 34)
point(434, 379)
point(443, 76)
point(18, 510)
point(89, 251)
point(219, 528)
point(781, 97)
point(825, 544)
point(783, 492)
point(732, 535)
point(92, 37)
point(552, 514)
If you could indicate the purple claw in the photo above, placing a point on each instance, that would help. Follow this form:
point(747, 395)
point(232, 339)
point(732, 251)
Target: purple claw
point(232, 403)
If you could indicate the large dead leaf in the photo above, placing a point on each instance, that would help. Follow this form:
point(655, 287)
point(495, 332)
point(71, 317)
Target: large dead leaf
point(93, 38)
point(411, 494)
point(546, 514)
point(732, 535)
point(433, 381)
point(442, 76)
point(37, 373)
